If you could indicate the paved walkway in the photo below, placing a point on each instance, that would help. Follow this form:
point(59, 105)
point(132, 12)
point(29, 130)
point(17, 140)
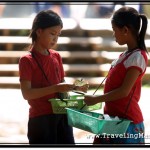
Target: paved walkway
point(14, 118)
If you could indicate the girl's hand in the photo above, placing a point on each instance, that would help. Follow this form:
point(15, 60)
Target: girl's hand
point(64, 87)
point(81, 85)
point(91, 99)
point(82, 88)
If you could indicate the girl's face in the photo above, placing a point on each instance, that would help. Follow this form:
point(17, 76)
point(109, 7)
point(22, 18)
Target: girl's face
point(48, 37)
point(120, 34)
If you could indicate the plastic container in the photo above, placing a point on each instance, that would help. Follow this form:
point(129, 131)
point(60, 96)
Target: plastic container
point(91, 122)
point(75, 101)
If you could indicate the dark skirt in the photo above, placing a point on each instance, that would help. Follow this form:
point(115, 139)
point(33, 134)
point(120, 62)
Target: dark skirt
point(50, 129)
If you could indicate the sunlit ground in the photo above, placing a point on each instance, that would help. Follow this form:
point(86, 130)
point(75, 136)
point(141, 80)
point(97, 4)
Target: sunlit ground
point(14, 118)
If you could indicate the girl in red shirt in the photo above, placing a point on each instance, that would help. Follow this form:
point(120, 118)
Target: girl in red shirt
point(41, 73)
point(125, 75)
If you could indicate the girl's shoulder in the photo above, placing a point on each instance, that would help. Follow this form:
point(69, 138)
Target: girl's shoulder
point(54, 52)
point(141, 53)
point(27, 55)
point(145, 55)
point(136, 53)
point(136, 58)
point(26, 59)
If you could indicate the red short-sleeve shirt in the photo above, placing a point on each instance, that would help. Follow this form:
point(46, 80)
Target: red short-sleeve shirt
point(116, 75)
point(29, 70)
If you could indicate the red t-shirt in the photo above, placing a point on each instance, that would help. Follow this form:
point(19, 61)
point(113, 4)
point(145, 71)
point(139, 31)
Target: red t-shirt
point(29, 70)
point(116, 75)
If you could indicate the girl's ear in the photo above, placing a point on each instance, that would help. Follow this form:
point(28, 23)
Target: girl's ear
point(38, 32)
point(126, 30)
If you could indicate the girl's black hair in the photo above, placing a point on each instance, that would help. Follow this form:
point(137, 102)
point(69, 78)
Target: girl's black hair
point(44, 19)
point(129, 17)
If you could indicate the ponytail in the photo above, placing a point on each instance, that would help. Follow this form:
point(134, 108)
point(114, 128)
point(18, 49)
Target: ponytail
point(143, 32)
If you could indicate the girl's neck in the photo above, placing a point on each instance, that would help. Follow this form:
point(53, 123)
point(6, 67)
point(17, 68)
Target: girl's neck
point(40, 50)
point(132, 46)
point(130, 50)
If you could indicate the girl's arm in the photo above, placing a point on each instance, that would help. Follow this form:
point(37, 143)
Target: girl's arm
point(122, 91)
point(32, 93)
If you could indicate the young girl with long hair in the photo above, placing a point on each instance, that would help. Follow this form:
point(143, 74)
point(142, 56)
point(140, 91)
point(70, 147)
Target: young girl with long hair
point(125, 76)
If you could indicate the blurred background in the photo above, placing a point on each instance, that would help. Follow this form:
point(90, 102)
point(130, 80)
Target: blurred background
point(87, 48)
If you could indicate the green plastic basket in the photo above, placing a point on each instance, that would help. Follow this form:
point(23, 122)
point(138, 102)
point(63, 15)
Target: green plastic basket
point(89, 121)
point(75, 101)
point(87, 108)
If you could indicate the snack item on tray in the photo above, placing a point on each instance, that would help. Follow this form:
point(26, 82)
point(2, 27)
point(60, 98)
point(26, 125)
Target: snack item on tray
point(81, 86)
point(79, 82)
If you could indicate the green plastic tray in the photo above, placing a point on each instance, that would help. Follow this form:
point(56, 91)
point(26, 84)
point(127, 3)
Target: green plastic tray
point(75, 101)
point(89, 121)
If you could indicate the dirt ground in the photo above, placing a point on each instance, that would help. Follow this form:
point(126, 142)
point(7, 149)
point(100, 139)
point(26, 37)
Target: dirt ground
point(14, 118)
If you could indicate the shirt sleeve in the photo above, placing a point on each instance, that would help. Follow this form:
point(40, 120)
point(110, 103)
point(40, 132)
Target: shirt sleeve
point(136, 60)
point(25, 69)
point(61, 67)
